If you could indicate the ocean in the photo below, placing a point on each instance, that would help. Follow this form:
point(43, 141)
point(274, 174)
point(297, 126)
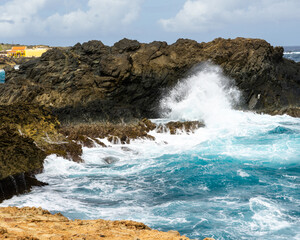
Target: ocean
point(236, 178)
point(292, 52)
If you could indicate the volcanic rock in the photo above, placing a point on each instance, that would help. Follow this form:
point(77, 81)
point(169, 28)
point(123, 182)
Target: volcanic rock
point(28, 133)
point(88, 134)
point(91, 81)
point(178, 127)
point(20, 158)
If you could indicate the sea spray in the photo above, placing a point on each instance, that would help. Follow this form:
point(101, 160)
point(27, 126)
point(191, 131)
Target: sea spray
point(206, 95)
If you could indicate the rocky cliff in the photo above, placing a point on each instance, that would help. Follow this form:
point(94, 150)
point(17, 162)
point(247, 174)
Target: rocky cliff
point(91, 81)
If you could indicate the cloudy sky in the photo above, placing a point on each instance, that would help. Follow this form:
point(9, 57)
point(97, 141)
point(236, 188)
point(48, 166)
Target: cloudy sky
point(66, 22)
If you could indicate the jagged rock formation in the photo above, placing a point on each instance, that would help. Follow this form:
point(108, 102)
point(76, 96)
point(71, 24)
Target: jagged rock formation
point(28, 133)
point(178, 127)
point(39, 224)
point(91, 81)
point(88, 134)
point(20, 158)
point(21, 128)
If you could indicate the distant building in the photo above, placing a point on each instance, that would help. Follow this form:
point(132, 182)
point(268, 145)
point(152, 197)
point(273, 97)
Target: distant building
point(17, 52)
point(22, 51)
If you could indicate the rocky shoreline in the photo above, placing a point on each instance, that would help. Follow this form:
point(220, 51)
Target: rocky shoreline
point(74, 97)
point(38, 224)
point(28, 133)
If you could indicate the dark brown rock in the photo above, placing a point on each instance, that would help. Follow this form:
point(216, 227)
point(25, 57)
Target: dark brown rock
point(92, 81)
point(19, 159)
point(18, 154)
point(87, 134)
point(177, 127)
point(28, 133)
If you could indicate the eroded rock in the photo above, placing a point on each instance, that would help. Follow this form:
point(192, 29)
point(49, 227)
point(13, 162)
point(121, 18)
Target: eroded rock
point(179, 127)
point(91, 81)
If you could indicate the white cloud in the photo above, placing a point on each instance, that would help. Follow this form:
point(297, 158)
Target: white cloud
point(102, 15)
point(16, 15)
point(202, 15)
point(19, 17)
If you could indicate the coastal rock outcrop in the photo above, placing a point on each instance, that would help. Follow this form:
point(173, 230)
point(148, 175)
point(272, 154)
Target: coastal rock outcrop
point(88, 134)
point(28, 133)
point(39, 224)
point(179, 127)
point(20, 158)
point(91, 81)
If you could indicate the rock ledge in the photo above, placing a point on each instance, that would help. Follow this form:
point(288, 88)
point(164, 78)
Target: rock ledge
point(38, 224)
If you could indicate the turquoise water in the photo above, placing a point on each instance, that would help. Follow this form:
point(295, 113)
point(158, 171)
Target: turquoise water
point(237, 178)
point(2, 76)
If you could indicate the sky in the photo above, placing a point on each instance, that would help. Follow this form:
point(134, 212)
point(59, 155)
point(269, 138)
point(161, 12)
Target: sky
point(66, 22)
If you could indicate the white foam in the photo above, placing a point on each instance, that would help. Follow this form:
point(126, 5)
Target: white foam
point(267, 216)
point(206, 95)
point(242, 173)
point(286, 53)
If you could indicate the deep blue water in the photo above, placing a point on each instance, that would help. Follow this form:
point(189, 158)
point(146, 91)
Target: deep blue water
point(292, 52)
point(2, 76)
point(237, 178)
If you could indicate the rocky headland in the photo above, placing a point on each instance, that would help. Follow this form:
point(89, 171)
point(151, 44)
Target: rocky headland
point(91, 81)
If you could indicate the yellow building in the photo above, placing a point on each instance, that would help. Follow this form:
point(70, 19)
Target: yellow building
point(26, 52)
point(35, 52)
point(17, 52)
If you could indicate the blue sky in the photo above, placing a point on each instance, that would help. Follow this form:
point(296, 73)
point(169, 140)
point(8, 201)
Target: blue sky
point(66, 22)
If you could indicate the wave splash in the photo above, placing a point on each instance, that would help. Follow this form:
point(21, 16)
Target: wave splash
point(206, 95)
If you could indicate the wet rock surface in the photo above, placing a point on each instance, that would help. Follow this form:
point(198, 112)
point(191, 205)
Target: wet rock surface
point(91, 81)
point(28, 133)
point(36, 223)
point(179, 127)
point(41, 126)
point(89, 134)
point(20, 158)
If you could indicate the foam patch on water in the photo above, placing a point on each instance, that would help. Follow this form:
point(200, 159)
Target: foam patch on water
point(242, 173)
point(267, 216)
